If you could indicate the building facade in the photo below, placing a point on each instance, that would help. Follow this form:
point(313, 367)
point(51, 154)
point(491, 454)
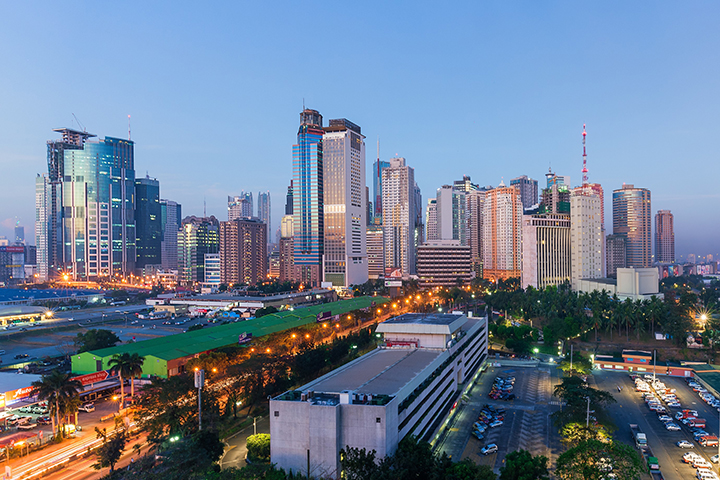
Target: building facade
point(148, 218)
point(197, 237)
point(616, 254)
point(212, 269)
point(240, 206)
point(431, 224)
point(631, 217)
point(502, 233)
point(264, 212)
point(405, 387)
point(308, 198)
point(399, 216)
point(378, 166)
point(546, 250)
point(664, 237)
point(170, 220)
point(88, 207)
point(344, 245)
point(586, 234)
point(375, 251)
point(451, 214)
point(243, 251)
point(444, 263)
point(475, 204)
point(528, 190)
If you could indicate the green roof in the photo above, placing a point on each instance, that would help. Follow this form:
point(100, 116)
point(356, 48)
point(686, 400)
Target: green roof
point(190, 343)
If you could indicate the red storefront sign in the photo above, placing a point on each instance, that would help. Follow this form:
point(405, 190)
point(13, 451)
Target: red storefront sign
point(93, 377)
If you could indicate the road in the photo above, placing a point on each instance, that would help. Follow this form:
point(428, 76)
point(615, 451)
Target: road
point(237, 444)
point(632, 409)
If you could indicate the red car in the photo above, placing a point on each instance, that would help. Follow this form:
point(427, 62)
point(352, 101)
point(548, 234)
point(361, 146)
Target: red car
point(43, 421)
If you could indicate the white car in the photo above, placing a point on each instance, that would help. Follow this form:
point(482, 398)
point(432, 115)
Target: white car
point(684, 444)
point(715, 458)
point(488, 449)
point(690, 457)
point(672, 427)
point(89, 407)
point(665, 418)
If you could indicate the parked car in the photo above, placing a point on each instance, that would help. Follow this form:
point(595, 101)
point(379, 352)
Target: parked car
point(21, 355)
point(88, 407)
point(684, 444)
point(673, 427)
point(496, 423)
point(45, 420)
point(488, 449)
point(478, 435)
point(665, 418)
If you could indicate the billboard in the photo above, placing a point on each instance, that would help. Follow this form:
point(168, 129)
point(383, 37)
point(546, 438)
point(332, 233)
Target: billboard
point(393, 273)
point(244, 338)
point(91, 378)
point(393, 283)
point(322, 316)
point(12, 249)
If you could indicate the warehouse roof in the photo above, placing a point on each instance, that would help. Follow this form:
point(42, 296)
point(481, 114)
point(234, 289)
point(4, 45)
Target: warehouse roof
point(198, 341)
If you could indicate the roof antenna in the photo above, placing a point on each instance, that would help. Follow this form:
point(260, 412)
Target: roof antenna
point(129, 138)
point(204, 208)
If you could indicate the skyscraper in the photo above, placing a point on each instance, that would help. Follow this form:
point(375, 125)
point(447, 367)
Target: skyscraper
point(546, 250)
point(431, 224)
point(502, 233)
point(475, 205)
point(148, 217)
point(375, 251)
point(377, 188)
point(19, 234)
point(344, 245)
point(664, 237)
point(243, 251)
point(197, 237)
point(240, 206)
point(528, 190)
point(451, 214)
point(586, 235)
point(631, 217)
point(616, 254)
point(286, 244)
point(264, 210)
point(87, 203)
point(170, 219)
point(399, 217)
point(308, 198)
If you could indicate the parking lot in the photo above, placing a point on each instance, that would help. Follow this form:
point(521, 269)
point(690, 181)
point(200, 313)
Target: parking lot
point(632, 409)
point(526, 423)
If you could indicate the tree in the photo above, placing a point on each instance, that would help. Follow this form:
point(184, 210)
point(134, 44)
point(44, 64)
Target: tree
point(120, 365)
point(582, 462)
point(111, 449)
point(134, 367)
point(56, 388)
point(574, 392)
point(95, 339)
point(580, 365)
point(358, 464)
point(258, 446)
point(468, 470)
point(574, 433)
point(522, 465)
point(261, 312)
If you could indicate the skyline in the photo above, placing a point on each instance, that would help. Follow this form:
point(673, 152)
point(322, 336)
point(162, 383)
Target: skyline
point(215, 91)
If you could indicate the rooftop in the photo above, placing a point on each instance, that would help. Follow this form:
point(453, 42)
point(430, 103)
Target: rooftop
point(417, 323)
point(13, 381)
point(14, 294)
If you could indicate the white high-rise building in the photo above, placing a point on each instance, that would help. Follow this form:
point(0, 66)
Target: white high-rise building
point(399, 216)
point(451, 214)
point(586, 236)
point(345, 260)
point(546, 250)
point(431, 225)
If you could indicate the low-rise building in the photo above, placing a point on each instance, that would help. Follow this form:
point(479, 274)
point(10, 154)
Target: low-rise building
point(404, 387)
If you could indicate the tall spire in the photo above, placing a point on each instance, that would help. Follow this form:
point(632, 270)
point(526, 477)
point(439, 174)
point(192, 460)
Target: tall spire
point(584, 170)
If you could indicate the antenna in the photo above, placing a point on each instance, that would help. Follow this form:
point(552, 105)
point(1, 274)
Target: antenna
point(584, 170)
point(378, 147)
point(129, 137)
point(204, 208)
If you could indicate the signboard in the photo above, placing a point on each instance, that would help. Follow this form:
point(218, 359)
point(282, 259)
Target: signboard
point(393, 283)
point(244, 338)
point(320, 317)
point(393, 273)
point(12, 249)
point(15, 395)
point(93, 377)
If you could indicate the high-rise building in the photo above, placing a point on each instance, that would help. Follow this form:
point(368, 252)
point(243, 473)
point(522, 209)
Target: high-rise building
point(664, 237)
point(197, 237)
point(243, 251)
point(465, 185)
point(19, 234)
point(545, 250)
point(287, 263)
point(419, 233)
point(240, 206)
point(344, 245)
point(12, 264)
point(431, 224)
point(264, 209)
point(451, 214)
point(274, 264)
point(553, 179)
point(377, 189)
point(399, 216)
point(475, 204)
point(616, 254)
point(631, 217)
point(502, 233)
point(148, 219)
point(528, 190)
point(555, 199)
point(170, 220)
point(212, 269)
point(443, 263)
point(586, 236)
point(308, 198)
point(88, 208)
point(375, 251)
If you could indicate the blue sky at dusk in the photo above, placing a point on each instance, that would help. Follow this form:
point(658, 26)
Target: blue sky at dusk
point(487, 89)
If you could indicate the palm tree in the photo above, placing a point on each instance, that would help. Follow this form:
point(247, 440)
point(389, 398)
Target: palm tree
point(59, 389)
point(135, 364)
point(120, 365)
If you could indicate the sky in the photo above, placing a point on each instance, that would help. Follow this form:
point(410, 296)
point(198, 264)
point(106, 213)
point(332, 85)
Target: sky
point(493, 90)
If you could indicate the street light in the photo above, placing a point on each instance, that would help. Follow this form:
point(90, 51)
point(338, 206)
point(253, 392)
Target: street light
point(199, 383)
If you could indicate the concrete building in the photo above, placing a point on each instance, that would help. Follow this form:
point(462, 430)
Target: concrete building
point(212, 270)
point(664, 237)
point(344, 246)
point(375, 251)
point(197, 237)
point(502, 233)
point(240, 206)
point(631, 217)
point(632, 283)
point(170, 220)
point(475, 203)
point(287, 265)
point(148, 220)
point(586, 235)
point(405, 387)
point(431, 225)
point(451, 214)
point(243, 251)
point(263, 212)
point(546, 248)
point(528, 190)
point(444, 263)
point(399, 216)
point(615, 254)
point(12, 264)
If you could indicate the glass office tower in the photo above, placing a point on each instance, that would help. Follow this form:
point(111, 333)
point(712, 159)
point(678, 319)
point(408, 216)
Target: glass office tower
point(148, 219)
point(631, 218)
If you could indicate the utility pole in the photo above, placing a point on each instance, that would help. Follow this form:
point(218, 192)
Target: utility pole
point(199, 383)
point(587, 417)
point(654, 364)
point(571, 355)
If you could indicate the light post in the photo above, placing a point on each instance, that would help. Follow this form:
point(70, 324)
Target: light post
point(654, 364)
point(254, 425)
point(587, 417)
point(571, 358)
point(199, 383)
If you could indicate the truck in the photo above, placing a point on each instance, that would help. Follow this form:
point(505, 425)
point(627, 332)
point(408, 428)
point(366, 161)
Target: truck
point(697, 422)
point(653, 463)
point(639, 437)
point(709, 441)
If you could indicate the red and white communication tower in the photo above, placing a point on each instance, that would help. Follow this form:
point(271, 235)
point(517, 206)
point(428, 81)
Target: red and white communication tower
point(584, 170)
